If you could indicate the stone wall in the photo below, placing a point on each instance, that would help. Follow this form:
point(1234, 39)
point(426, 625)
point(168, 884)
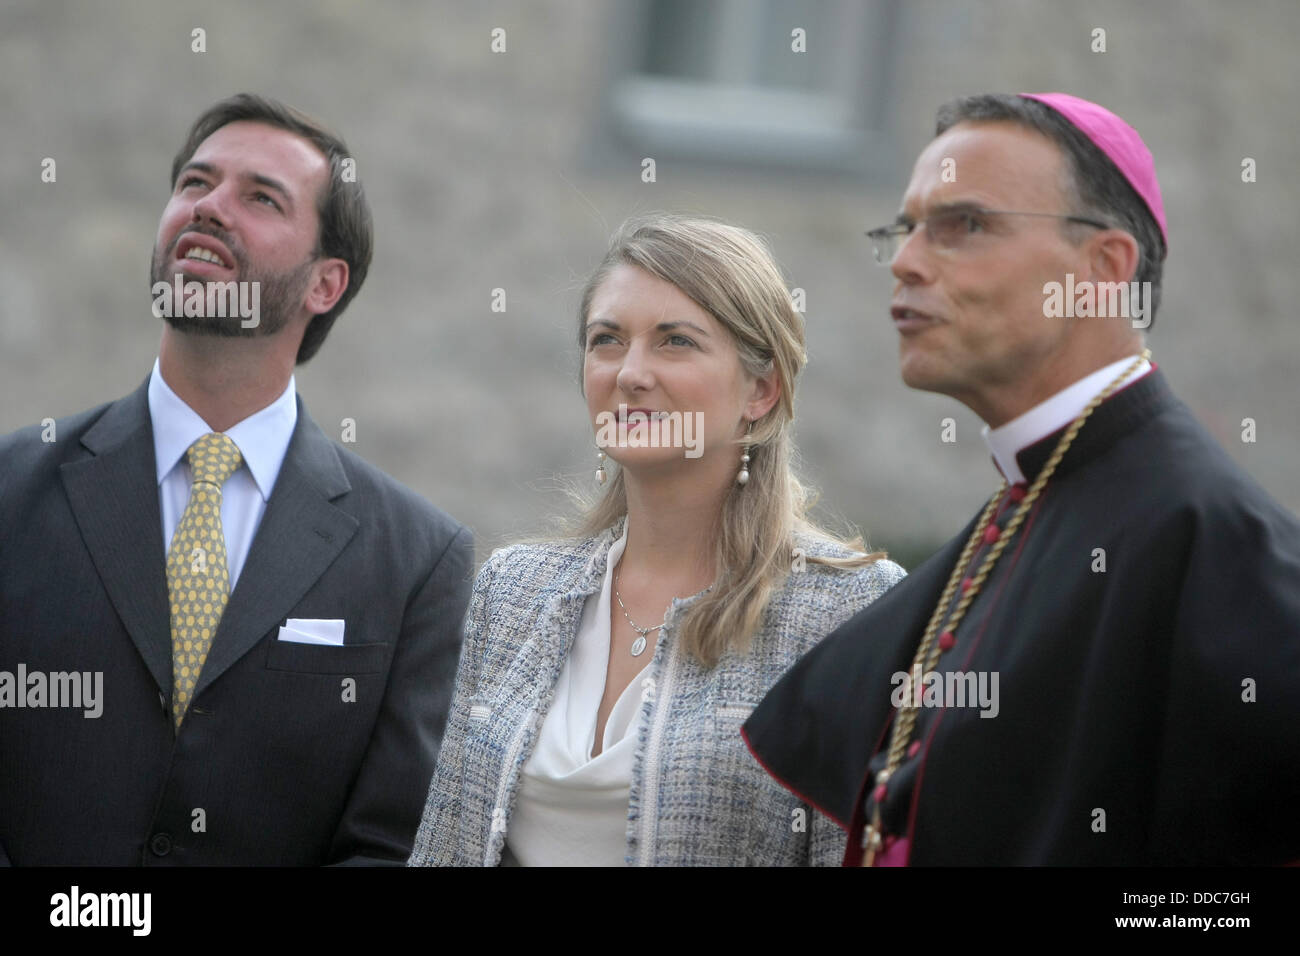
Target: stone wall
point(481, 173)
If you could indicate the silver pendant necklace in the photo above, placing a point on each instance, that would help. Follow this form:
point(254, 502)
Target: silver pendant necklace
point(638, 645)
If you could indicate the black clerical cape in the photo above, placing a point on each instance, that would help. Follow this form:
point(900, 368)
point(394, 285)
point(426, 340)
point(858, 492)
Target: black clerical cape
point(1139, 646)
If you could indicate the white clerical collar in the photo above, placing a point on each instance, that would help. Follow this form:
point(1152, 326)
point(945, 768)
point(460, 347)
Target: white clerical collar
point(262, 438)
point(1006, 441)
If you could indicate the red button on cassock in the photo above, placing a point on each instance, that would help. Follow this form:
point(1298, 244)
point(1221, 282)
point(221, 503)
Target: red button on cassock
point(946, 640)
point(991, 534)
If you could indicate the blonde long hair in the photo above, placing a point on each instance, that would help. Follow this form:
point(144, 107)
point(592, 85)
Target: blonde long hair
point(731, 274)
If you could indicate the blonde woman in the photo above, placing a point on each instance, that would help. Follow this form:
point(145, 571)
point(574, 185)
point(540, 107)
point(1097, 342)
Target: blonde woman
point(604, 677)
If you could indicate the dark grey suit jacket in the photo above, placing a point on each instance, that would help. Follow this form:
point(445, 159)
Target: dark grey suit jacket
point(277, 761)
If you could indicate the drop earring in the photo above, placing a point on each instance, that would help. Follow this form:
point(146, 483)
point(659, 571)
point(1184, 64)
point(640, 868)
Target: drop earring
point(743, 477)
point(600, 467)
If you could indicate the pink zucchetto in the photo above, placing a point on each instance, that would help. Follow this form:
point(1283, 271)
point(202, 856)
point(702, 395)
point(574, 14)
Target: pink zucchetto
point(1116, 139)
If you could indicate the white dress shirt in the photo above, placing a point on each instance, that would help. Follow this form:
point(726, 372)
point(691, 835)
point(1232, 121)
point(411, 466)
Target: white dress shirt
point(1006, 441)
point(262, 439)
point(571, 807)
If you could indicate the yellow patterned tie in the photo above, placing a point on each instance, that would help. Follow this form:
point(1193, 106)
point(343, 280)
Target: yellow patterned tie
point(198, 582)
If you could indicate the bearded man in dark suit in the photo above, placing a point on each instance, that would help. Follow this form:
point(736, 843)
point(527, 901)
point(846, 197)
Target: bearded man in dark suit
point(225, 639)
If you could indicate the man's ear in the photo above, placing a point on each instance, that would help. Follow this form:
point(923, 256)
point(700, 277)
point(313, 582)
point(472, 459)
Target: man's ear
point(1114, 256)
point(329, 282)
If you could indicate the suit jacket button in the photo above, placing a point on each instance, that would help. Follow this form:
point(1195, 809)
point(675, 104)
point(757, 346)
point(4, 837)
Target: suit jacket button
point(161, 844)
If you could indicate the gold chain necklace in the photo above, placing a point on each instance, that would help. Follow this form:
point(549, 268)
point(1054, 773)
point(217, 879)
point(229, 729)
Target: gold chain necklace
point(933, 643)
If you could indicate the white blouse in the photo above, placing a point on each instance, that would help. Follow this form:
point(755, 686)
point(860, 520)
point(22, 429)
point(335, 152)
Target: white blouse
point(571, 808)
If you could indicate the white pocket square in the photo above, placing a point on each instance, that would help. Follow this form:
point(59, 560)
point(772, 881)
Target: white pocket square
point(311, 630)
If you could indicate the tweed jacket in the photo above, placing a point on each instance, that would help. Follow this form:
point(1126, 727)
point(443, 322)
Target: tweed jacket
point(697, 796)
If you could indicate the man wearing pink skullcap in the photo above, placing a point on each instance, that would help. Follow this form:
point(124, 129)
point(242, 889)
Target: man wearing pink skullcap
point(1103, 667)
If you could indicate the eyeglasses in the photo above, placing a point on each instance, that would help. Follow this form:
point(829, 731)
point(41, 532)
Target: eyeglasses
point(949, 229)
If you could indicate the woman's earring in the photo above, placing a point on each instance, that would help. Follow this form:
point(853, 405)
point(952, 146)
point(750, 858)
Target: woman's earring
point(600, 467)
point(743, 477)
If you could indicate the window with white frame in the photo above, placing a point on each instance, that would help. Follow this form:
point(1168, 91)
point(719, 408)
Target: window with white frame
point(787, 82)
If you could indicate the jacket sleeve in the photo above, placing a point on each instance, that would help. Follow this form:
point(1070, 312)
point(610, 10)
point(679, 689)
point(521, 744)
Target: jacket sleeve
point(798, 734)
point(449, 834)
point(382, 811)
point(1228, 775)
point(825, 840)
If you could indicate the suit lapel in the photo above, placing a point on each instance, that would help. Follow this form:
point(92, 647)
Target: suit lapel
point(114, 499)
point(300, 535)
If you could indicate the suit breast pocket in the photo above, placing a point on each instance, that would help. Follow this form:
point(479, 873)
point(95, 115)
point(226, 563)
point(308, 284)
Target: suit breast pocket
point(327, 658)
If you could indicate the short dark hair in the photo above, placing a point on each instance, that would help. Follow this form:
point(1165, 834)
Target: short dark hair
point(346, 228)
point(1099, 189)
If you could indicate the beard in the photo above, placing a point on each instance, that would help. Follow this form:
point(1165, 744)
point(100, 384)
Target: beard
point(280, 292)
